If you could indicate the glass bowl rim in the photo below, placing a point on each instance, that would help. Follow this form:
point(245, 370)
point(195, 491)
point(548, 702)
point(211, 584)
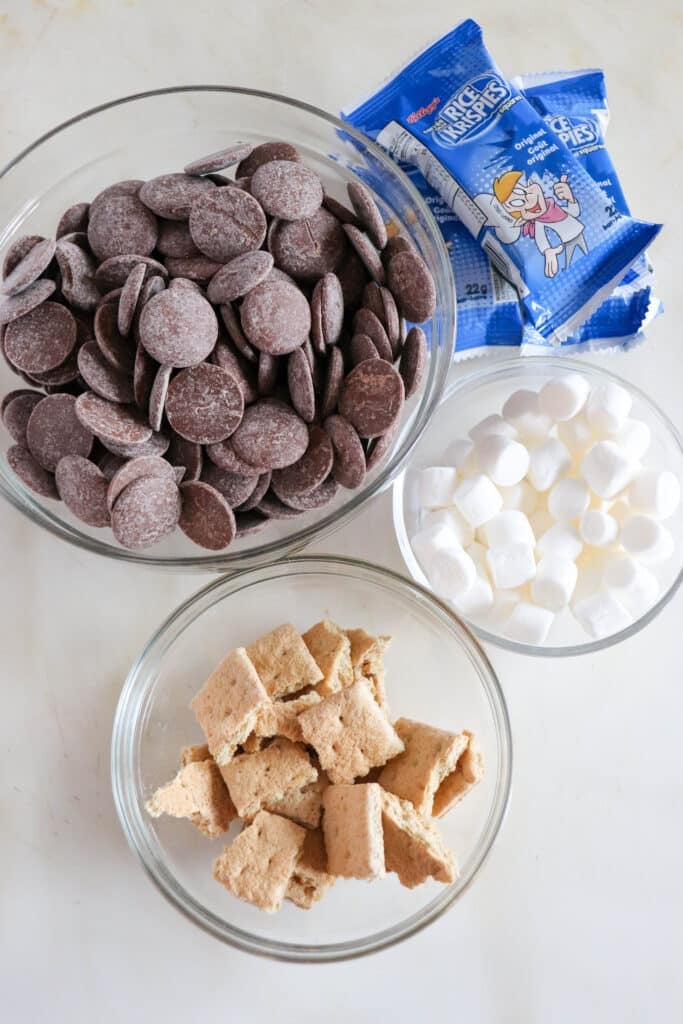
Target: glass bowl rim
point(501, 369)
point(125, 726)
point(21, 498)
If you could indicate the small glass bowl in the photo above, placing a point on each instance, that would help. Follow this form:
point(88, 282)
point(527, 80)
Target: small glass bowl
point(436, 672)
point(148, 134)
point(467, 400)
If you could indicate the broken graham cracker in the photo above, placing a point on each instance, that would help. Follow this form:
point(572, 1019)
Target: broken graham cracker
point(469, 771)
point(367, 660)
point(227, 704)
point(281, 717)
point(352, 827)
point(350, 733)
point(310, 879)
point(258, 864)
point(426, 772)
point(254, 780)
point(413, 848)
point(331, 650)
point(196, 752)
point(199, 794)
point(283, 662)
point(305, 805)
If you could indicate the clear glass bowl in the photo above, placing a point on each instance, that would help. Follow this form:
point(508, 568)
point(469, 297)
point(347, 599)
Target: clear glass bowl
point(436, 672)
point(148, 134)
point(466, 401)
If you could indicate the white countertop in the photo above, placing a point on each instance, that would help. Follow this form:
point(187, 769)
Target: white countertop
point(577, 914)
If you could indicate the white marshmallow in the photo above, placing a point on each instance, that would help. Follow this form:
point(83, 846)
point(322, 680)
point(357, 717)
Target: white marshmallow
point(503, 603)
point(633, 585)
point(437, 486)
point(430, 541)
point(568, 499)
point(522, 410)
point(505, 460)
point(633, 437)
point(477, 600)
point(509, 527)
point(554, 582)
point(528, 624)
point(563, 397)
point(601, 614)
point(460, 454)
point(477, 500)
point(562, 541)
point(451, 573)
point(541, 520)
point(449, 517)
point(655, 492)
point(606, 469)
point(494, 424)
point(598, 528)
point(576, 434)
point(477, 553)
point(511, 565)
point(520, 496)
point(608, 407)
point(547, 463)
point(647, 539)
point(588, 582)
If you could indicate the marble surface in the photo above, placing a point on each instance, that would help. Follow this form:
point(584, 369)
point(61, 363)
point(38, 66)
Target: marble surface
point(577, 915)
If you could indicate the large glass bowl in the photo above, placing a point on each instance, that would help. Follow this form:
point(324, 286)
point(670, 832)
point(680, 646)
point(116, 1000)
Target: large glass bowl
point(436, 673)
point(151, 133)
point(468, 400)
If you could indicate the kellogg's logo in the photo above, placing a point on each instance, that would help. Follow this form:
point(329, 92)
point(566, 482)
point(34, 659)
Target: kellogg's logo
point(575, 132)
point(469, 110)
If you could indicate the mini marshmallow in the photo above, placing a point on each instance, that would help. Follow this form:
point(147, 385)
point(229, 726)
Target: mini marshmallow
point(528, 624)
point(477, 500)
point(430, 541)
point(503, 603)
point(606, 469)
point(451, 518)
point(601, 614)
point(576, 434)
point(655, 492)
point(554, 582)
point(461, 454)
point(568, 499)
point(608, 407)
point(505, 460)
point(588, 582)
point(563, 397)
point(477, 600)
point(511, 565)
point(509, 527)
point(451, 573)
point(437, 486)
point(477, 553)
point(562, 541)
point(598, 528)
point(633, 585)
point(522, 410)
point(541, 520)
point(646, 538)
point(633, 437)
point(494, 424)
point(520, 496)
point(547, 463)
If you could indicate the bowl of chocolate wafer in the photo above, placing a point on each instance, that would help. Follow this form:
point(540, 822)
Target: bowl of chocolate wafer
point(219, 340)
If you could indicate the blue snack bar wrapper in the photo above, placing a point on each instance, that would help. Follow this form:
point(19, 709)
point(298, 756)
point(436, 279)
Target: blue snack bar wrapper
point(534, 209)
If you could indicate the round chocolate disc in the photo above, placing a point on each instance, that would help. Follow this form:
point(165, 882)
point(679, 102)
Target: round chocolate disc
point(82, 486)
point(175, 239)
point(263, 154)
point(129, 298)
point(236, 334)
point(268, 370)
point(192, 270)
point(365, 322)
point(223, 455)
point(234, 487)
point(119, 424)
point(78, 276)
point(206, 517)
point(35, 262)
point(270, 436)
point(379, 447)
point(17, 411)
point(413, 360)
point(54, 430)
point(412, 285)
point(334, 378)
point(287, 190)
point(276, 317)
point(144, 372)
point(309, 471)
point(371, 397)
point(204, 404)
point(143, 465)
point(172, 195)
point(17, 251)
point(187, 454)
point(238, 367)
point(239, 276)
point(317, 498)
point(157, 396)
point(308, 249)
point(353, 278)
point(113, 273)
point(30, 472)
point(42, 338)
point(178, 327)
point(367, 212)
point(72, 220)
point(157, 444)
point(348, 468)
point(362, 348)
point(271, 506)
point(367, 253)
point(256, 495)
point(226, 222)
point(220, 160)
point(120, 225)
point(117, 351)
point(300, 383)
point(146, 511)
point(101, 377)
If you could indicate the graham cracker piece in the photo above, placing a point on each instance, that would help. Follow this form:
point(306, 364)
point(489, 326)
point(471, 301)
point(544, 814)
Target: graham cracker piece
point(227, 704)
point(310, 880)
point(258, 865)
point(199, 794)
point(305, 805)
point(412, 846)
point(196, 752)
point(255, 780)
point(367, 660)
point(350, 733)
point(283, 661)
point(468, 772)
point(331, 649)
point(352, 827)
point(281, 717)
point(430, 757)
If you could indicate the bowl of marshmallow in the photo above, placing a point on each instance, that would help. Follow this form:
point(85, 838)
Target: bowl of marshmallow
point(543, 504)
